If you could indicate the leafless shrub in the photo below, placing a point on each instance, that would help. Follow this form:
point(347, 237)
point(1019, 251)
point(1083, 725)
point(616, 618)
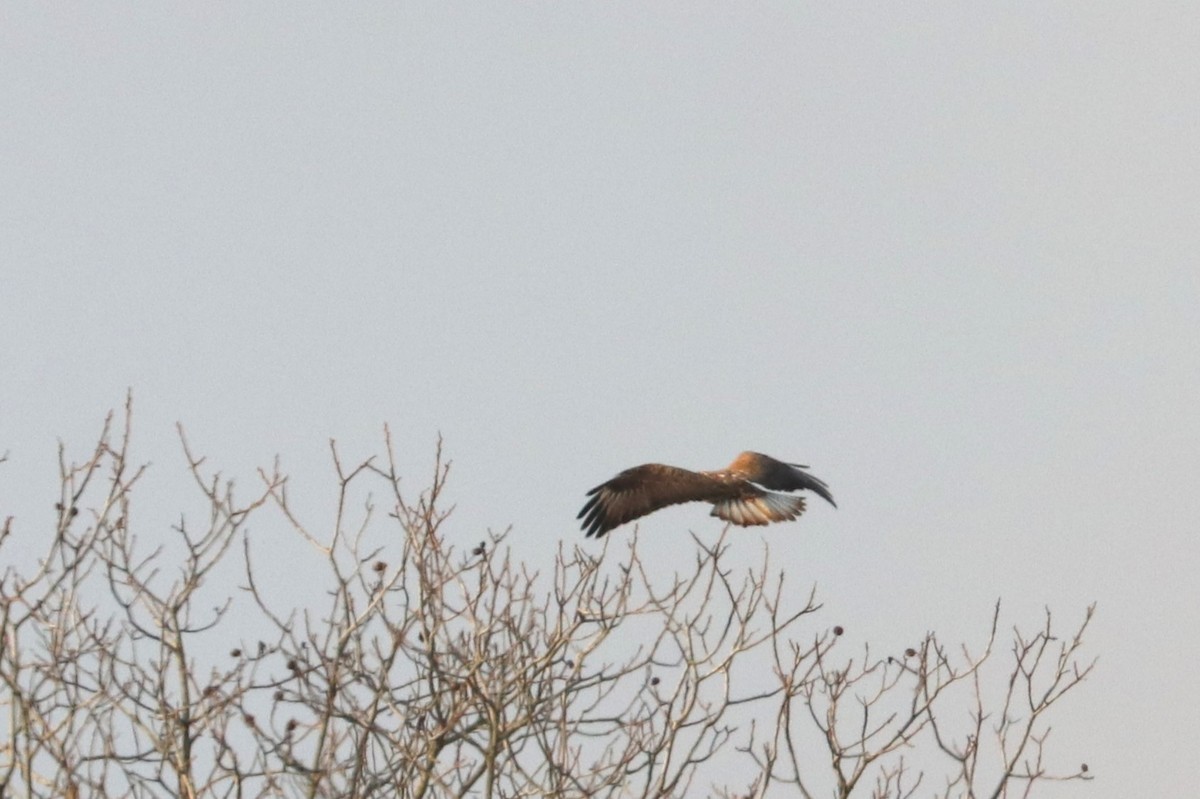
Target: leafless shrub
point(422, 670)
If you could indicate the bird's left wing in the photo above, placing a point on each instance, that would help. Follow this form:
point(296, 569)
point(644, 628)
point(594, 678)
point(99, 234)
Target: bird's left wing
point(641, 490)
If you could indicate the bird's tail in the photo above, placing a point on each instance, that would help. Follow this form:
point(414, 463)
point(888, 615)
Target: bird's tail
point(771, 506)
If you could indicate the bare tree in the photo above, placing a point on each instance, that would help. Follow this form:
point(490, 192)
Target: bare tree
point(428, 671)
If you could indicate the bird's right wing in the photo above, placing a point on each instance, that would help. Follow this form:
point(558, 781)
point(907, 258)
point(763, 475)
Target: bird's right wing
point(779, 476)
point(641, 490)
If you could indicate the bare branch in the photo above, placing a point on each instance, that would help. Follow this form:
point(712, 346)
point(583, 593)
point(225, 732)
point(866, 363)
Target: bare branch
point(420, 667)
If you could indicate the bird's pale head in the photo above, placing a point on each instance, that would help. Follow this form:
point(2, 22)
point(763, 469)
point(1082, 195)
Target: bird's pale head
point(747, 463)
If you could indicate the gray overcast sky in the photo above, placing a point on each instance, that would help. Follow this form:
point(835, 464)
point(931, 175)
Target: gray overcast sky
point(945, 254)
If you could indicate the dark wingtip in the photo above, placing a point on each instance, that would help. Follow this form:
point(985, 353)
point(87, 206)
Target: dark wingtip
point(594, 527)
point(593, 519)
point(824, 494)
point(814, 484)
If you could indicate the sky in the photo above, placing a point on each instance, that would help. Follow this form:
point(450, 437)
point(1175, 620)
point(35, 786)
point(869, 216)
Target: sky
point(945, 254)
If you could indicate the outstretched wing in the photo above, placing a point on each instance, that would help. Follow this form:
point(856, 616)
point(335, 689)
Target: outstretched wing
point(779, 476)
point(644, 489)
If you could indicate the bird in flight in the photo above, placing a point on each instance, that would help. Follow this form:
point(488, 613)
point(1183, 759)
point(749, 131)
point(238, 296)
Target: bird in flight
point(753, 490)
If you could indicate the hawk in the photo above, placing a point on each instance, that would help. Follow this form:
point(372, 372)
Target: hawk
point(749, 491)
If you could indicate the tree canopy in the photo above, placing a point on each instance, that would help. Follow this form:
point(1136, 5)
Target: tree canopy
point(137, 666)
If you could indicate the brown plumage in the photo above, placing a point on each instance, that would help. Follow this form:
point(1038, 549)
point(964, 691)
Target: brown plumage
point(747, 492)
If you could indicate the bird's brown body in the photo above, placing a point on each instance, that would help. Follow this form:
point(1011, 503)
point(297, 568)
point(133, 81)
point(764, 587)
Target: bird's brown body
point(750, 491)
